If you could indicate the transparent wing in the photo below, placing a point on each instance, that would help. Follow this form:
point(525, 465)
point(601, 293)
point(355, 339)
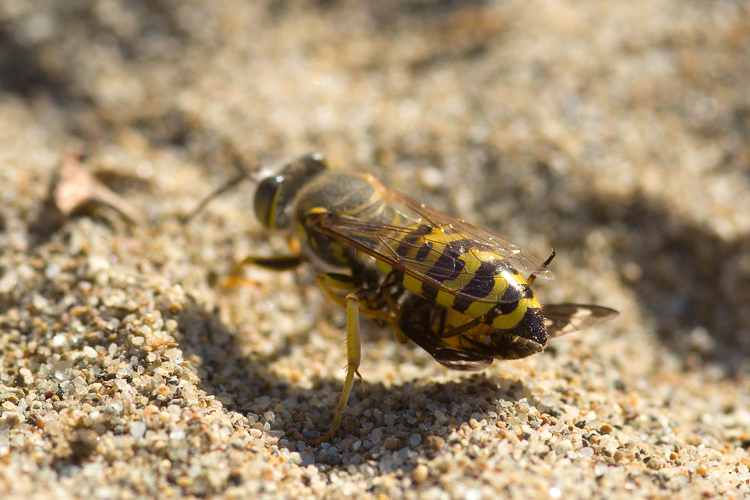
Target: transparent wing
point(567, 318)
point(416, 245)
point(518, 258)
point(455, 359)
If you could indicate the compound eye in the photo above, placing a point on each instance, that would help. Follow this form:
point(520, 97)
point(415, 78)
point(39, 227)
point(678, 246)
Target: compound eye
point(274, 197)
point(266, 202)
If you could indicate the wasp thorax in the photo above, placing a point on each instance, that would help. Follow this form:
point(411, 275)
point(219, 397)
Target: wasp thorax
point(275, 195)
point(343, 197)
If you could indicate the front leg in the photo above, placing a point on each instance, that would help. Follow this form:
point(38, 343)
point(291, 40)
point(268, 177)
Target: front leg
point(278, 263)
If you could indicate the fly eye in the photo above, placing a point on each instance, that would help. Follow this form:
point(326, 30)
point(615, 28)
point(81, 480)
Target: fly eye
point(266, 202)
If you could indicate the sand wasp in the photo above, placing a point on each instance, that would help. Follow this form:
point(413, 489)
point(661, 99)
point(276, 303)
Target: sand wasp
point(456, 290)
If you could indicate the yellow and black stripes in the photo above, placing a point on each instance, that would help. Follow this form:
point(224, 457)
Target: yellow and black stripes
point(463, 275)
point(461, 343)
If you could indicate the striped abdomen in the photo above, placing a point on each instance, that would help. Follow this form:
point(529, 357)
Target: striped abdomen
point(462, 274)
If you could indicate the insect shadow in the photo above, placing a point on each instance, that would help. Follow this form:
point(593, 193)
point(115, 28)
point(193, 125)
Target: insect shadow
point(694, 284)
point(245, 383)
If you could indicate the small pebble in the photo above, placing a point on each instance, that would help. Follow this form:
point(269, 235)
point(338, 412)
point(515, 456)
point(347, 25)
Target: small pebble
point(420, 473)
point(391, 443)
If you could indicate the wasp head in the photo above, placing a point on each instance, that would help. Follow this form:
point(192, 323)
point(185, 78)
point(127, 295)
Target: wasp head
point(275, 194)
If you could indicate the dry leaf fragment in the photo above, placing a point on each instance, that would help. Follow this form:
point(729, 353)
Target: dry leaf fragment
point(74, 187)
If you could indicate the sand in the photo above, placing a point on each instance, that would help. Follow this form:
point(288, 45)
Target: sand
point(616, 132)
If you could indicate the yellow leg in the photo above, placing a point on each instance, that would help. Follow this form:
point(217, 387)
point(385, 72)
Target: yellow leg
point(330, 282)
point(395, 311)
point(353, 356)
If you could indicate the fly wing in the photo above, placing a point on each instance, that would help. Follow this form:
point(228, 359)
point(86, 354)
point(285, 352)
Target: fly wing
point(567, 318)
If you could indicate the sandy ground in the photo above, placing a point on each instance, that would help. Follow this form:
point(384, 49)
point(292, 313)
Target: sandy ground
point(616, 132)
